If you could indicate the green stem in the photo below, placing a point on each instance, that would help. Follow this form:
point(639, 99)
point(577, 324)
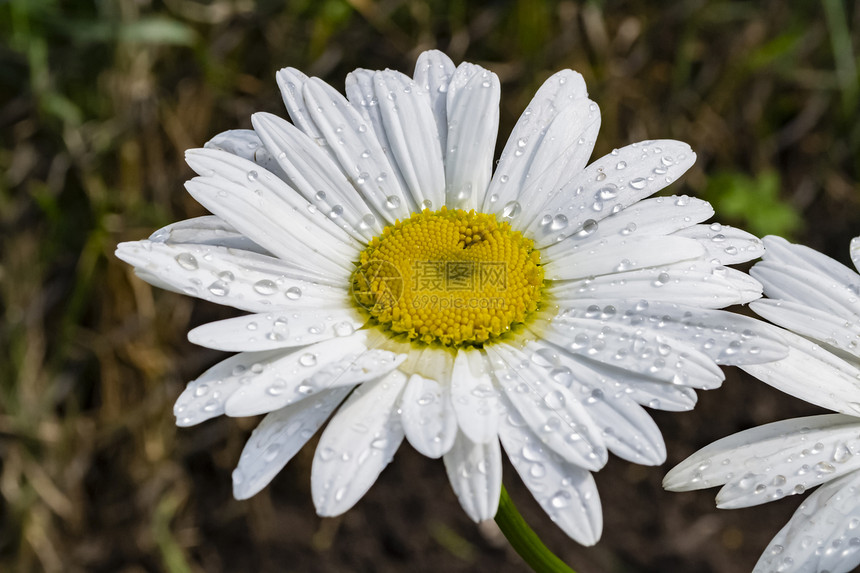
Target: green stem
point(525, 541)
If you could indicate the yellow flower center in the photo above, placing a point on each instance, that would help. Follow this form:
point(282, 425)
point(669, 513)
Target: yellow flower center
point(450, 277)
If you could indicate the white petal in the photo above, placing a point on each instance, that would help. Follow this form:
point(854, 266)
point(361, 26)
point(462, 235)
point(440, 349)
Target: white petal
point(552, 412)
point(725, 337)
point(315, 175)
point(292, 83)
point(475, 400)
point(549, 130)
point(357, 444)
point(475, 473)
point(361, 93)
point(270, 330)
point(628, 431)
point(725, 244)
point(809, 287)
point(411, 132)
point(433, 72)
point(204, 398)
point(565, 491)
point(564, 149)
point(357, 149)
point(813, 374)
point(427, 416)
point(635, 349)
point(693, 283)
point(854, 249)
point(273, 374)
point(621, 255)
point(821, 535)
point(473, 124)
point(278, 438)
point(266, 209)
point(780, 251)
point(772, 461)
point(649, 217)
point(641, 388)
point(830, 329)
point(207, 230)
point(611, 183)
point(240, 279)
point(246, 144)
point(305, 371)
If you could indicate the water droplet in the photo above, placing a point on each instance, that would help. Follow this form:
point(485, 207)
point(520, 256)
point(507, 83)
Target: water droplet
point(294, 293)
point(638, 183)
point(252, 175)
point(219, 288)
point(392, 202)
point(560, 500)
point(343, 329)
point(511, 210)
point(187, 261)
point(621, 165)
point(608, 192)
point(661, 280)
point(559, 222)
point(265, 287)
point(308, 359)
point(588, 228)
point(271, 452)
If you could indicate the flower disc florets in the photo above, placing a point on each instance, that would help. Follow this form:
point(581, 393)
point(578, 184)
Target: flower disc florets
point(450, 277)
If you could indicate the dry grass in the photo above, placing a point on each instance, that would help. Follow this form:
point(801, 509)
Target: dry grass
point(99, 102)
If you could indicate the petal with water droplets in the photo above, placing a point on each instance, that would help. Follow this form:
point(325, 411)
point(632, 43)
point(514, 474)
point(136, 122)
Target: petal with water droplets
point(314, 174)
point(475, 400)
point(427, 416)
point(357, 444)
point(565, 491)
point(475, 473)
point(621, 255)
point(822, 533)
point(728, 245)
point(433, 72)
point(269, 330)
point(357, 149)
point(278, 438)
point(228, 276)
point(813, 374)
point(246, 144)
point(473, 124)
point(772, 461)
point(552, 412)
point(295, 375)
point(206, 230)
point(612, 183)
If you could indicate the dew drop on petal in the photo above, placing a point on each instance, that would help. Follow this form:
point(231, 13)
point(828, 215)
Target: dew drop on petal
point(294, 293)
point(265, 287)
point(219, 288)
point(638, 183)
point(187, 261)
point(308, 359)
point(343, 329)
point(511, 210)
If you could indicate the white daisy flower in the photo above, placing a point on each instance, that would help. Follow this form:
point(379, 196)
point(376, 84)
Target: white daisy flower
point(393, 277)
point(816, 299)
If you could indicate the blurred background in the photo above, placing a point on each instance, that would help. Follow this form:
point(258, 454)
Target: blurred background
point(98, 101)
